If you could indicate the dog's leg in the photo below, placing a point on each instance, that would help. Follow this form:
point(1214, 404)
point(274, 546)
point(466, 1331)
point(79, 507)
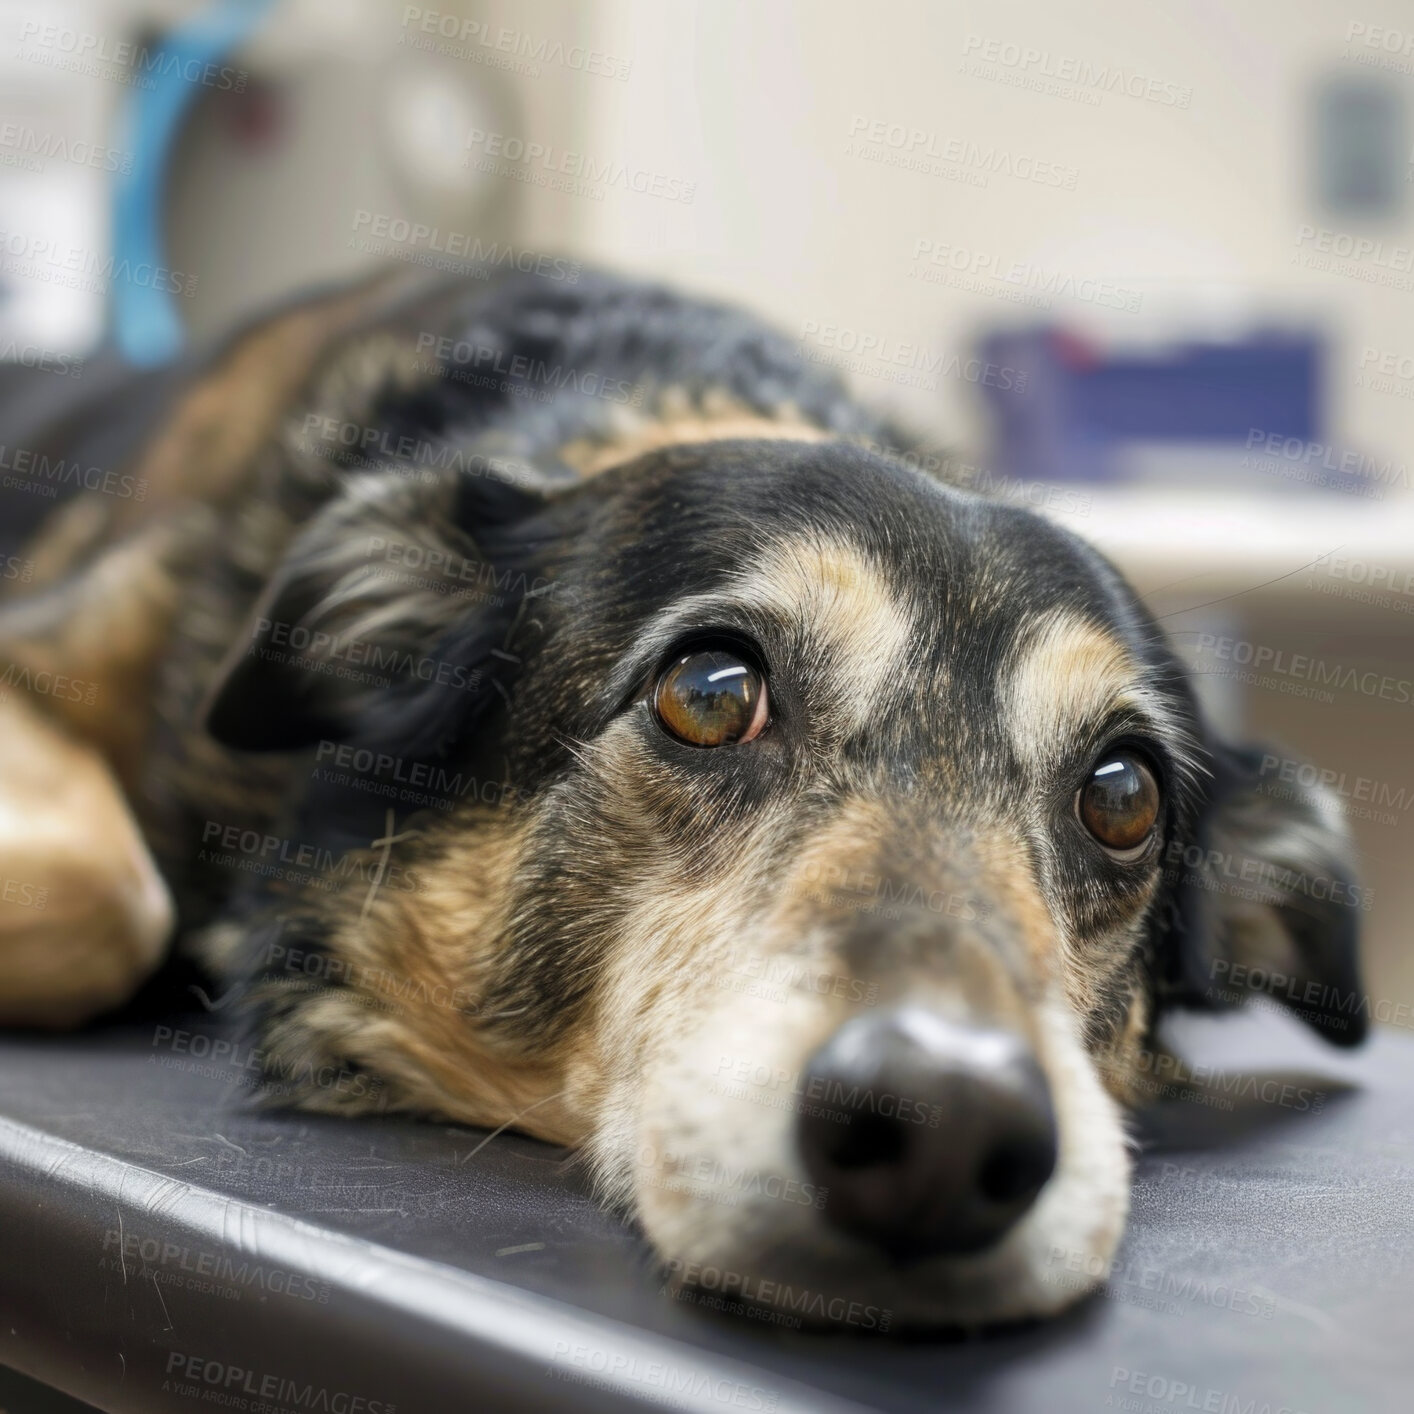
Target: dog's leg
point(84, 914)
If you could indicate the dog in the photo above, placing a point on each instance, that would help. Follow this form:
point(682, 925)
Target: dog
point(543, 699)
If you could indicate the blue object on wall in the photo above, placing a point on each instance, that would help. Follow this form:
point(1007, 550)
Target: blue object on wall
point(1080, 404)
point(147, 326)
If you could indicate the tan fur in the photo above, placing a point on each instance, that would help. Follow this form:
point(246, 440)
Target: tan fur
point(1005, 876)
point(109, 624)
point(676, 420)
point(1069, 672)
point(1066, 674)
point(105, 630)
point(70, 534)
point(207, 444)
point(84, 917)
point(1120, 1064)
point(830, 588)
point(411, 958)
point(1092, 963)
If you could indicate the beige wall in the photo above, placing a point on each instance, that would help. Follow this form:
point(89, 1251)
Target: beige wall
point(1198, 207)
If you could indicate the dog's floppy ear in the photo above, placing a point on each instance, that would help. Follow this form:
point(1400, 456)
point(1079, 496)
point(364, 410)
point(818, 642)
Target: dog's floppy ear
point(383, 619)
point(1266, 900)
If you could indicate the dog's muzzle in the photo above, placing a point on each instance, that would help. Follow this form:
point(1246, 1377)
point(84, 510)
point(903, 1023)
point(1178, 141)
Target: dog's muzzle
point(931, 1136)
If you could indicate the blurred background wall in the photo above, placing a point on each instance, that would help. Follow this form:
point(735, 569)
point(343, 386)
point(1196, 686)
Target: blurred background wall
point(1147, 268)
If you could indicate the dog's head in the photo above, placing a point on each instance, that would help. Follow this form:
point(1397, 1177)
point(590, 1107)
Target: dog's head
point(855, 832)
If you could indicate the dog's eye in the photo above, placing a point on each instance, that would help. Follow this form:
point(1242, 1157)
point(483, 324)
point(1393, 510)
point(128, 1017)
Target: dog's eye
point(1119, 804)
point(711, 697)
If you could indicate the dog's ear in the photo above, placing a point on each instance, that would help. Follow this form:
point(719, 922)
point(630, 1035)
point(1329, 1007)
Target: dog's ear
point(1265, 898)
point(384, 620)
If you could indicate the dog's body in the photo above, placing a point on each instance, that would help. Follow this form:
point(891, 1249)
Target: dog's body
point(401, 665)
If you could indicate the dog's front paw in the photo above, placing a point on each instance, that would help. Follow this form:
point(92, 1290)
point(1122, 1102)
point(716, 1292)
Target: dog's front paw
point(84, 914)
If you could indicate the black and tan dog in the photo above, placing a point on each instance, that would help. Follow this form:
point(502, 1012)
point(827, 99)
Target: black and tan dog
point(557, 704)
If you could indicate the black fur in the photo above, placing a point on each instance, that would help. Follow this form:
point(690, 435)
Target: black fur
point(482, 684)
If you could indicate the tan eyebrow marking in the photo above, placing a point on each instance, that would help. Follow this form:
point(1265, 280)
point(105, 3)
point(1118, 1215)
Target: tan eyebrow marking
point(1064, 674)
point(841, 599)
point(833, 598)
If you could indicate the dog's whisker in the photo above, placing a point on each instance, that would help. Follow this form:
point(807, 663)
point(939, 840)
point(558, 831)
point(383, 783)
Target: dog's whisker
point(1252, 589)
point(579, 750)
point(501, 1129)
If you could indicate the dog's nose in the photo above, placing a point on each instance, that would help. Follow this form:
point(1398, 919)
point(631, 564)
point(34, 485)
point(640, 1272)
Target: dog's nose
point(928, 1135)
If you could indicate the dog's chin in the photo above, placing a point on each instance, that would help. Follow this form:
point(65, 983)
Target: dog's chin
point(722, 1248)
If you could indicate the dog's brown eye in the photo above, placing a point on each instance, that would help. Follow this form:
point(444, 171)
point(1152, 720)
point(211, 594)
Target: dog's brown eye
point(711, 697)
point(1119, 804)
